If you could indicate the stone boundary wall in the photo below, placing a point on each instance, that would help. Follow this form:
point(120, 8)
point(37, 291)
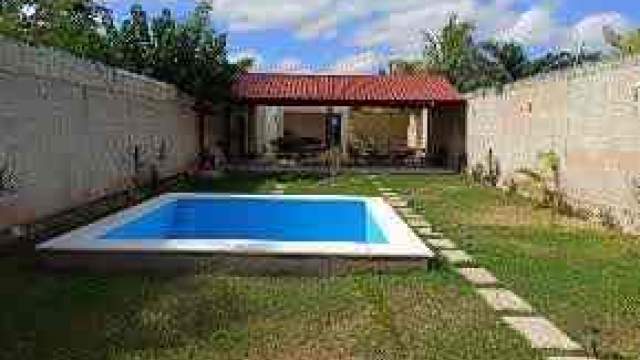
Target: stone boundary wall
point(70, 130)
point(589, 115)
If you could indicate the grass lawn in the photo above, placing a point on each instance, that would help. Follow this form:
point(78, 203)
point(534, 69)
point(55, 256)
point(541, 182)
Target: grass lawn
point(581, 278)
point(585, 278)
point(411, 315)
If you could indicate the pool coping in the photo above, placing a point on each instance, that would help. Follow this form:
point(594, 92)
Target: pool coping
point(403, 242)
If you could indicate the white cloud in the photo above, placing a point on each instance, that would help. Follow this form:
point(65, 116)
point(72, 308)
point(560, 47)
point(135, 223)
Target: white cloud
point(364, 62)
point(251, 15)
point(325, 27)
point(589, 31)
point(532, 27)
point(402, 28)
point(397, 25)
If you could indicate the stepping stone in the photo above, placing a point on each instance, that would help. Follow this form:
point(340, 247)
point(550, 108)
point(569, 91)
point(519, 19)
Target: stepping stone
point(570, 358)
point(280, 186)
point(504, 300)
point(277, 192)
point(429, 233)
point(425, 231)
point(478, 276)
point(456, 256)
point(418, 223)
point(397, 203)
point(383, 190)
point(413, 216)
point(405, 211)
point(541, 333)
point(389, 194)
point(445, 244)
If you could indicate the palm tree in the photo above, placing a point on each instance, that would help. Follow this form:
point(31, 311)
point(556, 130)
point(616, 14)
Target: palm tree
point(509, 59)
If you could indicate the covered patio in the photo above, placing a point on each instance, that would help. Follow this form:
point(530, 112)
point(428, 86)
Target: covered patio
point(371, 121)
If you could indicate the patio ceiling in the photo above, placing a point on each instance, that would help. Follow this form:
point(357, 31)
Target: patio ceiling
point(422, 90)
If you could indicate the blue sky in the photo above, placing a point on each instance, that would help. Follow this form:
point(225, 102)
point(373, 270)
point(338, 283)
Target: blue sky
point(362, 35)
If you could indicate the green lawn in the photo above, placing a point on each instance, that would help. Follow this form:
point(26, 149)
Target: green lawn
point(581, 278)
point(584, 277)
point(415, 315)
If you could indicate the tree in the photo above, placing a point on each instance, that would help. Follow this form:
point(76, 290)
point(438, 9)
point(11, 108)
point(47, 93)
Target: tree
point(470, 65)
point(190, 54)
point(164, 52)
point(133, 43)
point(73, 25)
point(553, 61)
point(627, 44)
point(407, 67)
point(203, 69)
point(509, 59)
point(451, 51)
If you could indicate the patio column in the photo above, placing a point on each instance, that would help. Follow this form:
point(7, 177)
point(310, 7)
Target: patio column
point(417, 129)
point(425, 114)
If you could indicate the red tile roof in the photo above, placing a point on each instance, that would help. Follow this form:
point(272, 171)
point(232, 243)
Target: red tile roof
point(364, 90)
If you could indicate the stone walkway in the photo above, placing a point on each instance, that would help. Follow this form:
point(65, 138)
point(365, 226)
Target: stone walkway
point(519, 315)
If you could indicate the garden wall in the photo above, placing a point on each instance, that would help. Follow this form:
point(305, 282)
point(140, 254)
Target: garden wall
point(70, 130)
point(590, 116)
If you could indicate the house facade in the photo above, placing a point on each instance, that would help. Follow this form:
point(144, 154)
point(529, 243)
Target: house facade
point(364, 116)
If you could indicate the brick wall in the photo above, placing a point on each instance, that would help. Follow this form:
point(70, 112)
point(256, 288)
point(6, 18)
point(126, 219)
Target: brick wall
point(68, 129)
point(590, 116)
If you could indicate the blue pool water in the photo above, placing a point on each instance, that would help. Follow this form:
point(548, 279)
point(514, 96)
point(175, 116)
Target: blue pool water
point(256, 219)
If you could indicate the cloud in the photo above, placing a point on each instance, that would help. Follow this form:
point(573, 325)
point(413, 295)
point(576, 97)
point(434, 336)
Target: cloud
point(589, 31)
point(250, 15)
point(395, 27)
point(364, 62)
point(533, 27)
point(325, 27)
point(402, 29)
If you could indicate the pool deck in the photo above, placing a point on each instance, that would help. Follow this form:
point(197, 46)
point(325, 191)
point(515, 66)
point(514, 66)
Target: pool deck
point(84, 248)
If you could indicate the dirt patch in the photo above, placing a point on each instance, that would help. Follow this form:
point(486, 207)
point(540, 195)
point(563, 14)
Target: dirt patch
point(513, 215)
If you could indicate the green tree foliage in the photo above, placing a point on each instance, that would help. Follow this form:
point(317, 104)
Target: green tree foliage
point(452, 51)
point(470, 65)
point(508, 61)
point(133, 47)
point(627, 44)
point(74, 25)
point(189, 54)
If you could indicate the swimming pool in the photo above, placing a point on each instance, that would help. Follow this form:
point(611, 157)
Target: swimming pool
point(273, 226)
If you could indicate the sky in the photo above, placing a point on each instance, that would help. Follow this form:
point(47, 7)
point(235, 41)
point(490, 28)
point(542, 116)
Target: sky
point(361, 36)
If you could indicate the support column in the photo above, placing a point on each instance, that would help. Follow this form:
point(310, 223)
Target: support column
point(426, 129)
point(412, 131)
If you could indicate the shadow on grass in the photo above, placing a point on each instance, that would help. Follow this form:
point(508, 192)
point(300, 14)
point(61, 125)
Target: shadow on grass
point(240, 183)
point(79, 316)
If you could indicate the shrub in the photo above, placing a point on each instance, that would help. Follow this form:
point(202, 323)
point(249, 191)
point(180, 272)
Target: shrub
point(543, 184)
point(486, 173)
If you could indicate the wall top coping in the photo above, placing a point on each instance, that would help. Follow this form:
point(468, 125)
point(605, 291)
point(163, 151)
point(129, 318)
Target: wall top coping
point(568, 74)
point(46, 62)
